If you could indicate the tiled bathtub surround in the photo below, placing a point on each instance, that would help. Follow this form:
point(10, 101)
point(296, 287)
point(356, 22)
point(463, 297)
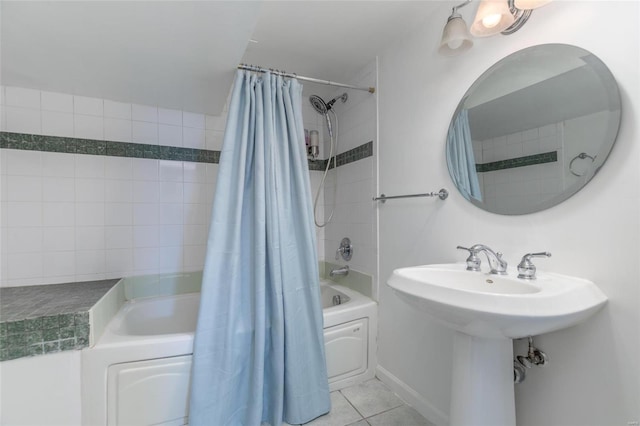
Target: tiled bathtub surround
point(60, 114)
point(88, 204)
point(77, 217)
point(101, 198)
point(29, 142)
point(354, 215)
point(44, 319)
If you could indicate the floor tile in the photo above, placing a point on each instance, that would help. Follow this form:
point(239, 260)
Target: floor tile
point(371, 397)
point(401, 416)
point(342, 413)
point(360, 423)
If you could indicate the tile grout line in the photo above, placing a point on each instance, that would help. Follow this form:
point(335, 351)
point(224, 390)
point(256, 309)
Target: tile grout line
point(385, 411)
point(354, 407)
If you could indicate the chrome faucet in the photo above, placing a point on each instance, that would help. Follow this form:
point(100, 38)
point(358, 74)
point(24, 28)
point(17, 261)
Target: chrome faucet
point(526, 268)
point(497, 264)
point(340, 271)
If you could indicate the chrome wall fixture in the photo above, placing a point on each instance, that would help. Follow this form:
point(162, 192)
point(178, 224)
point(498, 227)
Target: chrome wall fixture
point(345, 250)
point(442, 194)
point(581, 156)
point(492, 17)
point(256, 68)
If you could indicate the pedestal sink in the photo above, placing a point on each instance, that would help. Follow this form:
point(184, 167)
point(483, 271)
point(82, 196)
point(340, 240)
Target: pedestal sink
point(487, 312)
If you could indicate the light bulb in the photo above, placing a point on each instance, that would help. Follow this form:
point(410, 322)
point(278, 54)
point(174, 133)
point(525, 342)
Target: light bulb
point(455, 37)
point(492, 17)
point(454, 44)
point(530, 4)
point(491, 20)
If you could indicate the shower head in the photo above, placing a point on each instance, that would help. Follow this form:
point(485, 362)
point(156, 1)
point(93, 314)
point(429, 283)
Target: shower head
point(318, 104)
point(323, 107)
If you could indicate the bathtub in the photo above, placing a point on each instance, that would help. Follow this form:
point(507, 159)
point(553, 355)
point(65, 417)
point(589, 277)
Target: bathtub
point(138, 371)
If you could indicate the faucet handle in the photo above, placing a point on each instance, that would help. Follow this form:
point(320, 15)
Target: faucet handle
point(345, 250)
point(473, 261)
point(526, 268)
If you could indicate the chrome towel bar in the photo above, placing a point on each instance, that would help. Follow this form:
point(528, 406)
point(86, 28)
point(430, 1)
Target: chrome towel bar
point(442, 194)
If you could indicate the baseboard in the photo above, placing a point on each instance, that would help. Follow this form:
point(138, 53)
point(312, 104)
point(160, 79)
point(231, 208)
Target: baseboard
point(412, 397)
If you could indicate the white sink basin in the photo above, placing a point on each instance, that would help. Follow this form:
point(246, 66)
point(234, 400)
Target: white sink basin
point(497, 306)
point(487, 311)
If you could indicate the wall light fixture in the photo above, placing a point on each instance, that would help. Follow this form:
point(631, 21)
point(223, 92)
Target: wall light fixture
point(492, 17)
point(455, 35)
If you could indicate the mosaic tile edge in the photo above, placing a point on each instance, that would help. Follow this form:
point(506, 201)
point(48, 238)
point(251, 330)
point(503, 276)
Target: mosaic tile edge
point(30, 142)
point(529, 160)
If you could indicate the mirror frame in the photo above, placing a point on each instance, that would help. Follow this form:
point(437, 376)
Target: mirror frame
point(610, 135)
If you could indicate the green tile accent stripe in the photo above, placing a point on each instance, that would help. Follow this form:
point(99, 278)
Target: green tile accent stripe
point(317, 165)
point(358, 153)
point(529, 160)
point(36, 320)
point(99, 147)
point(31, 142)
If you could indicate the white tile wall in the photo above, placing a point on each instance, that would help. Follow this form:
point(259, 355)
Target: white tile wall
point(354, 215)
point(519, 187)
point(91, 217)
point(73, 217)
point(113, 109)
point(101, 217)
point(88, 106)
point(170, 116)
point(20, 97)
point(60, 114)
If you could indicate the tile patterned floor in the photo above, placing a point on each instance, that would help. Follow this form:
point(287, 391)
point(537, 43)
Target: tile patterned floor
point(369, 404)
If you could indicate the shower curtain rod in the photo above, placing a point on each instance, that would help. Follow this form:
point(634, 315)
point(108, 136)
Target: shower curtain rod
point(299, 77)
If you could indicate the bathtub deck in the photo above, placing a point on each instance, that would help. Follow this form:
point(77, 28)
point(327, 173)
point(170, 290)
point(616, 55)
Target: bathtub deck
point(44, 319)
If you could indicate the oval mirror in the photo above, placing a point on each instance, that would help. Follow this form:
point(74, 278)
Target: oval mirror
point(533, 129)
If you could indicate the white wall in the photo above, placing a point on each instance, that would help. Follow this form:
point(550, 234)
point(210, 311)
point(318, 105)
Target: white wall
point(354, 210)
point(591, 379)
point(76, 217)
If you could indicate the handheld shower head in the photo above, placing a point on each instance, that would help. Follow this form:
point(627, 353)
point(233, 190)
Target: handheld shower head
point(318, 104)
point(323, 107)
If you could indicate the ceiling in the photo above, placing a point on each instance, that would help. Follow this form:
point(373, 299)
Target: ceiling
point(182, 54)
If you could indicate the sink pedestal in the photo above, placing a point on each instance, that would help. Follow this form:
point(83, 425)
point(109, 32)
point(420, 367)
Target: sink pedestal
point(487, 311)
point(482, 390)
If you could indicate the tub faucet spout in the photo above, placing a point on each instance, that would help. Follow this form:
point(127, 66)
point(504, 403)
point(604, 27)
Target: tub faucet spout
point(340, 271)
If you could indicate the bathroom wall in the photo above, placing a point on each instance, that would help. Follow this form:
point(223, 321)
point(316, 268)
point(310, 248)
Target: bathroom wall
point(354, 211)
point(315, 121)
point(595, 234)
point(77, 217)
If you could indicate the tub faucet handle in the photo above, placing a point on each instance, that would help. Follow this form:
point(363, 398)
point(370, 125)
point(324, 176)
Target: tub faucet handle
point(345, 250)
point(473, 261)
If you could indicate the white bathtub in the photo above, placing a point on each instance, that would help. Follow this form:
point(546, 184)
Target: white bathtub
point(147, 347)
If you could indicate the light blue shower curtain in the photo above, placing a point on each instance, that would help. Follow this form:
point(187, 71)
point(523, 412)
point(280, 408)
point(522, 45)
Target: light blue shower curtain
point(259, 348)
point(460, 158)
